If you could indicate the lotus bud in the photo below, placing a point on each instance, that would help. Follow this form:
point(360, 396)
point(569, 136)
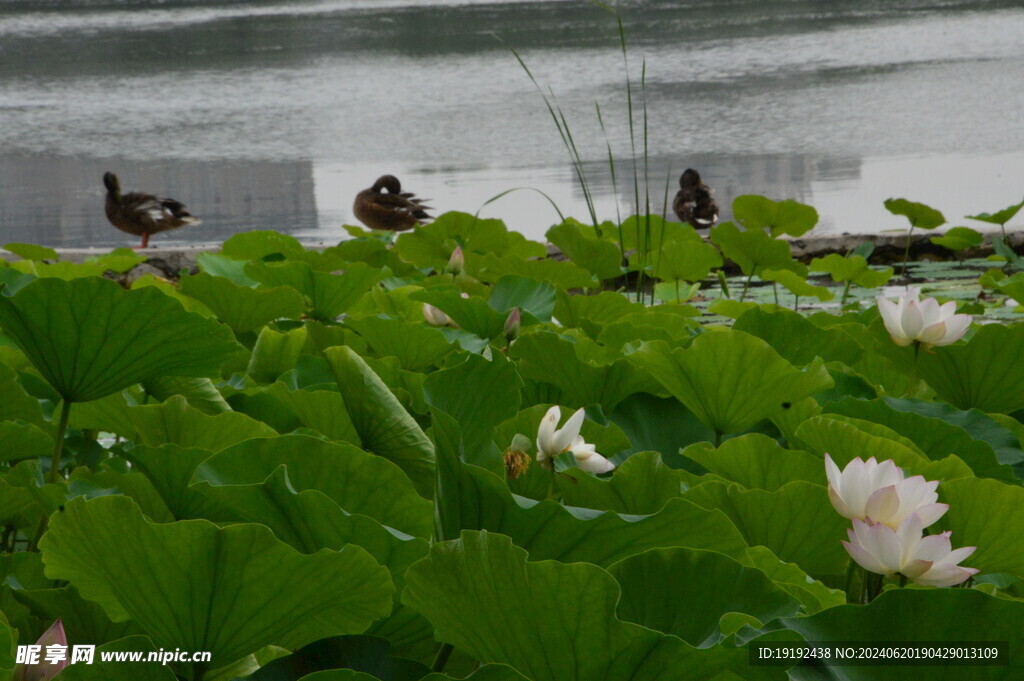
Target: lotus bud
point(512, 325)
point(435, 316)
point(457, 262)
point(53, 645)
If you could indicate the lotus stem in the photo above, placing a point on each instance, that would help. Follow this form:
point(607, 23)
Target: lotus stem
point(906, 251)
point(913, 369)
point(58, 448)
point(746, 286)
point(443, 653)
point(846, 292)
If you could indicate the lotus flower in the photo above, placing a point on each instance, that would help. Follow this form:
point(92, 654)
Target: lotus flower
point(435, 316)
point(910, 320)
point(42, 670)
point(927, 560)
point(878, 493)
point(513, 323)
point(552, 441)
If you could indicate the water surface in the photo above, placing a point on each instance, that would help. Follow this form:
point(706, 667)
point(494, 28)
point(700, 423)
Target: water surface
point(272, 114)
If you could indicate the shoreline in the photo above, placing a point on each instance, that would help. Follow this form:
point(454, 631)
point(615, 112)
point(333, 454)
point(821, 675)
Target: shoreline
point(169, 261)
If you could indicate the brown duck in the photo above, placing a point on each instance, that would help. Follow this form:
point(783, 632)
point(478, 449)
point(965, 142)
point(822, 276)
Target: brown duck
point(694, 203)
point(143, 214)
point(385, 206)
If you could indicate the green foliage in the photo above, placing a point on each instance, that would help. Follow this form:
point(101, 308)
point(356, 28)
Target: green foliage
point(778, 217)
point(919, 215)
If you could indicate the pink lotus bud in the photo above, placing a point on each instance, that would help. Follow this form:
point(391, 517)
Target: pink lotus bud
point(457, 262)
point(46, 658)
point(512, 325)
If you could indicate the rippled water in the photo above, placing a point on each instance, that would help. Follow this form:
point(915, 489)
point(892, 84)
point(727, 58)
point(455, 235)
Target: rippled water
point(274, 114)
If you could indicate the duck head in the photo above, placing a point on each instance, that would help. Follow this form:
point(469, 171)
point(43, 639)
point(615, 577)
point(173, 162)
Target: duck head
point(111, 183)
point(389, 182)
point(689, 178)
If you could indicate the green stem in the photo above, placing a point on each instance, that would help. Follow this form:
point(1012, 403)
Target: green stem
point(775, 291)
point(746, 285)
point(913, 369)
point(873, 584)
point(58, 449)
point(796, 303)
point(851, 570)
point(443, 653)
point(718, 439)
point(903, 580)
point(846, 291)
point(906, 251)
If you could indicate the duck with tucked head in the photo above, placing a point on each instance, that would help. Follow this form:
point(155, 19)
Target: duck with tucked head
point(143, 214)
point(694, 203)
point(386, 207)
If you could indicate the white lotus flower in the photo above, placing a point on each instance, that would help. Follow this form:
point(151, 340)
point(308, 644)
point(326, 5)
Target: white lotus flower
point(435, 316)
point(927, 560)
point(552, 441)
point(911, 320)
point(879, 493)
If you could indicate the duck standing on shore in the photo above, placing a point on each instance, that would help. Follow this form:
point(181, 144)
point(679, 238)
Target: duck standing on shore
point(143, 214)
point(694, 203)
point(385, 206)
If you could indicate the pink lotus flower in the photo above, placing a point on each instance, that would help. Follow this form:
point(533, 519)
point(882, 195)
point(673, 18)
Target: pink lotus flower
point(927, 560)
point(879, 493)
point(910, 320)
point(52, 638)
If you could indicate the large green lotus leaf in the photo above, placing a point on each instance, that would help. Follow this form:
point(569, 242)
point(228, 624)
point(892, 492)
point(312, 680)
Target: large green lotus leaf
point(602, 258)
point(131, 483)
point(662, 425)
point(83, 620)
point(31, 251)
point(358, 482)
point(327, 295)
point(58, 270)
point(780, 217)
point(796, 521)
point(242, 308)
point(90, 337)
point(990, 515)
point(674, 329)
point(170, 469)
point(985, 373)
point(120, 671)
point(647, 232)
point(554, 359)
point(959, 239)
point(685, 592)
point(919, 215)
point(17, 504)
point(417, 346)
point(479, 394)
point(19, 440)
point(932, 435)
point(932, 615)
point(475, 499)
point(193, 585)
point(275, 353)
point(593, 313)
point(201, 393)
point(812, 594)
point(472, 314)
point(321, 410)
point(529, 295)
point(796, 284)
point(18, 405)
point(309, 520)
point(846, 439)
point(641, 486)
point(222, 266)
point(175, 422)
point(998, 218)
point(548, 620)
point(796, 339)
point(563, 274)
point(487, 672)
point(730, 379)
point(756, 461)
point(258, 243)
point(384, 426)
point(851, 268)
point(431, 245)
point(171, 291)
point(338, 658)
point(753, 250)
point(686, 260)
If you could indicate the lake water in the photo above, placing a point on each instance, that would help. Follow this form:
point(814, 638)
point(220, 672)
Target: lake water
point(273, 114)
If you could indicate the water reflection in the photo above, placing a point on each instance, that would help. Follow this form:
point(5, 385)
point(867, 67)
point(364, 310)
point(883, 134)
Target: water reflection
point(273, 114)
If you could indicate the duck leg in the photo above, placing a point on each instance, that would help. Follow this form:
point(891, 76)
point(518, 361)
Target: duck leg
point(145, 241)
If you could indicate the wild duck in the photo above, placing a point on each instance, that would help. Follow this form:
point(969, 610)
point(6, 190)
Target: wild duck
point(694, 203)
point(386, 207)
point(143, 214)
